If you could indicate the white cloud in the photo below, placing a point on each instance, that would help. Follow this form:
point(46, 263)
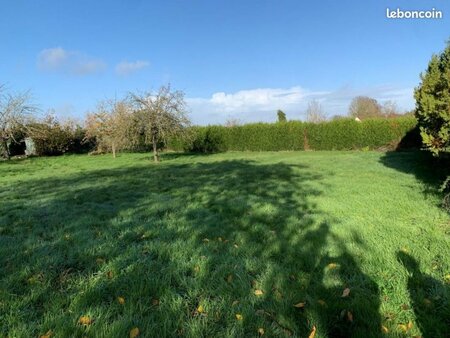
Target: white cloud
point(125, 68)
point(72, 62)
point(261, 104)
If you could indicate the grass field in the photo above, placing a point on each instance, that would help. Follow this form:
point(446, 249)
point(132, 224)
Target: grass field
point(223, 246)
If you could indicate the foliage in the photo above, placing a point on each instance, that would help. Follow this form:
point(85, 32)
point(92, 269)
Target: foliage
point(51, 137)
point(433, 103)
point(15, 111)
point(159, 116)
point(188, 244)
point(281, 116)
point(364, 107)
point(208, 140)
point(338, 134)
point(111, 126)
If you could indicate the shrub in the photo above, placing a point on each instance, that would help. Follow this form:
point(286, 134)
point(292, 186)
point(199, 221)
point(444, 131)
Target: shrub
point(208, 140)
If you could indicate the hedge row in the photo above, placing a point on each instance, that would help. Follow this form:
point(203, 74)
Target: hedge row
point(341, 134)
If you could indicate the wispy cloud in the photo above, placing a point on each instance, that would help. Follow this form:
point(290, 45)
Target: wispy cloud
point(59, 59)
point(125, 68)
point(261, 104)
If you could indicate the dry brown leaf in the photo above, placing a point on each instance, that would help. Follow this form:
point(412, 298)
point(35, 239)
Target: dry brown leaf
point(134, 332)
point(47, 335)
point(410, 325)
point(155, 301)
point(300, 305)
point(322, 302)
point(110, 274)
point(345, 293)
point(258, 292)
point(349, 316)
point(85, 320)
point(230, 278)
point(427, 302)
point(121, 300)
point(403, 327)
point(313, 332)
point(261, 331)
point(384, 329)
point(332, 266)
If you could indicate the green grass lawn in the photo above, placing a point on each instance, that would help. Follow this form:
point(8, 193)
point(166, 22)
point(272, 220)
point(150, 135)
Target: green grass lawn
point(187, 242)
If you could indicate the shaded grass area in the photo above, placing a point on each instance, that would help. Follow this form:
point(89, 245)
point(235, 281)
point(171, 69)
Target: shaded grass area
point(78, 232)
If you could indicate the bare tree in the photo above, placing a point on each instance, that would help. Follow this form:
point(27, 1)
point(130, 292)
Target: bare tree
point(390, 109)
point(160, 115)
point(315, 112)
point(111, 126)
point(365, 107)
point(15, 110)
point(232, 122)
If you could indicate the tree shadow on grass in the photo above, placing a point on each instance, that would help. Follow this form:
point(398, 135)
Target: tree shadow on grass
point(187, 246)
point(430, 299)
point(426, 168)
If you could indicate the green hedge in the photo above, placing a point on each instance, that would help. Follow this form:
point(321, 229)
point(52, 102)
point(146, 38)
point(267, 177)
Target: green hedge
point(341, 134)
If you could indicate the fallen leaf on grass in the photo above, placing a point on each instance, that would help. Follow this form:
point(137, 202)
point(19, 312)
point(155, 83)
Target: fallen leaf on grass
point(258, 292)
point(313, 332)
point(230, 278)
point(384, 329)
point(134, 332)
point(300, 305)
point(206, 240)
point(345, 293)
point(200, 309)
point(406, 327)
point(47, 335)
point(236, 302)
point(403, 327)
point(110, 274)
point(332, 266)
point(322, 302)
point(85, 320)
point(236, 246)
point(121, 300)
point(155, 302)
point(239, 316)
point(427, 302)
point(100, 260)
point(349, 316)
point(447, 278)
point(261, 331)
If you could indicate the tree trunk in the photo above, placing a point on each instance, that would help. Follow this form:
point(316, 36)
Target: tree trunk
point(5, 149)
point(155, 149)
point(113, 146)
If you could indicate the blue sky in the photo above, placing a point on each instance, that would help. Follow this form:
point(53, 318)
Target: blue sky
point(233, 59)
